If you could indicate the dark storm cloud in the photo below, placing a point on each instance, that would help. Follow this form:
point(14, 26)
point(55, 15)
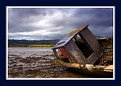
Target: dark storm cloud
point(40, 23)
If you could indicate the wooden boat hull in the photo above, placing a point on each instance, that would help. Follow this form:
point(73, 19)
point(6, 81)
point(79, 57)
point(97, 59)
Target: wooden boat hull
point(89, 69)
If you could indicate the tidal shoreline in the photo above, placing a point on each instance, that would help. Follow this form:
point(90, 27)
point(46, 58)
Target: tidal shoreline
point(35, 63)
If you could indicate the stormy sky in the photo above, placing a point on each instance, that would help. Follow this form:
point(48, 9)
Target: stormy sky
point(55, 23)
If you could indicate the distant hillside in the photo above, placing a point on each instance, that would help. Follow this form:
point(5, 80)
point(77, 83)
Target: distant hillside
point(26, 43)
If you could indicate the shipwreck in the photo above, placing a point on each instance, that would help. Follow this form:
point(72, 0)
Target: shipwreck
point(80, 49)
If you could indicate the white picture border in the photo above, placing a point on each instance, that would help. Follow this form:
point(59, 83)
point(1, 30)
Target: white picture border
point(113, 7)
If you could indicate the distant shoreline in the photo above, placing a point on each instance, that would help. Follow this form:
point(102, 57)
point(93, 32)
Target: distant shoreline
point(34, 45)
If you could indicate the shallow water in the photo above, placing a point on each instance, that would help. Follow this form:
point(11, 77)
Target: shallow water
point(29, 52)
